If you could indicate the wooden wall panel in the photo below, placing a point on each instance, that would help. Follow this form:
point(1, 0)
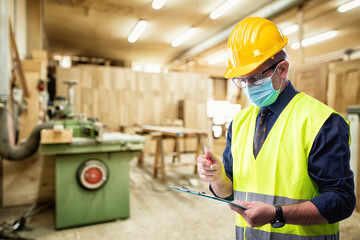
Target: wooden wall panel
point(312, 80)
point(120, 96)
point(344, 85)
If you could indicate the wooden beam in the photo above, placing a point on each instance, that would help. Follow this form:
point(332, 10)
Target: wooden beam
point(18, 61)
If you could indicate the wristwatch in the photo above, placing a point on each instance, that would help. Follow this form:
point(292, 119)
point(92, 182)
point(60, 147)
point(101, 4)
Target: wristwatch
point(279, 220)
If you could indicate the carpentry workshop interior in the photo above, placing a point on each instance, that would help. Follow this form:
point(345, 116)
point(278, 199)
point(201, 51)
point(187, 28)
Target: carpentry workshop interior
point(107, 104)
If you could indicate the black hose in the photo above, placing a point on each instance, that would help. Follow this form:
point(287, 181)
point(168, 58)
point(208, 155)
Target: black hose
point(23, 150)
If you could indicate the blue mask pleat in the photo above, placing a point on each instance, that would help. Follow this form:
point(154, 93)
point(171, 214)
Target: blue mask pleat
point(262, 95)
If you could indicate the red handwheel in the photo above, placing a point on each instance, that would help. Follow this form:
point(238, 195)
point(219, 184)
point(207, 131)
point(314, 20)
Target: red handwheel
point(92, 174)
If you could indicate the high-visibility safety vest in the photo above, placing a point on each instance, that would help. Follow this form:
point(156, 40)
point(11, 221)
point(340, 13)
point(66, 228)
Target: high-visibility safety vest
point(279, 174)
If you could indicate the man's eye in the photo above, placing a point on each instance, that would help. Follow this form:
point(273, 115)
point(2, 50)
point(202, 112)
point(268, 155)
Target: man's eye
point(253, 79)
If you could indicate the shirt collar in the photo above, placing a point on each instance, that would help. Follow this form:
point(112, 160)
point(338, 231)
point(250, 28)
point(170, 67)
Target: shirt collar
point(283, 99)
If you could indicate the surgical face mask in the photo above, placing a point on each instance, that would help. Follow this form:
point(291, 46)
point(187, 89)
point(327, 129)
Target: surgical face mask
point(264, 94)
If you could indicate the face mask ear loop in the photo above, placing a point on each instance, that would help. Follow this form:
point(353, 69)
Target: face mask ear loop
point(271, 79)
point(280, 85)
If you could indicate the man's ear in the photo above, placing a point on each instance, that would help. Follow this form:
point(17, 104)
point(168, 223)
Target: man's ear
point(284, 67)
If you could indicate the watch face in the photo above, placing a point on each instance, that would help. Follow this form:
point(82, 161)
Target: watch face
point(277, 224)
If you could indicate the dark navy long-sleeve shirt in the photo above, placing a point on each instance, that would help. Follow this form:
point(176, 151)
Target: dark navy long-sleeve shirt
point(328, 161)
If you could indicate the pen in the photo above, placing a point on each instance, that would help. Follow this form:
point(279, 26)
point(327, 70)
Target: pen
point(211, 163)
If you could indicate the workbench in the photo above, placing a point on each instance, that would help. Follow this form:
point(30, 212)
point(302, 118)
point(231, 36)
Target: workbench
point(158, 133)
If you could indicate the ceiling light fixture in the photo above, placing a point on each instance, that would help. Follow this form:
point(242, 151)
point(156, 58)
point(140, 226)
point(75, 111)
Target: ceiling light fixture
point(290, 29)
point(223, 8)
point(183, 37)
point(315, 39)
point(137, 31)
point(348, 6)
point(157, 4)
point(218, 57)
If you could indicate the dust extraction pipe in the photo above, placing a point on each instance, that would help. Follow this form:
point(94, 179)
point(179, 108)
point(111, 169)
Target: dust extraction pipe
point(29, 147)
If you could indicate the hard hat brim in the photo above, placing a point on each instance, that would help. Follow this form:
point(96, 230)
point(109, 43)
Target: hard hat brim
point(240, 71)
point(236, 72)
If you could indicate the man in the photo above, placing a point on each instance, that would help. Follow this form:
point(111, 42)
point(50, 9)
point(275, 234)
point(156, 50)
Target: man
point(287, 156)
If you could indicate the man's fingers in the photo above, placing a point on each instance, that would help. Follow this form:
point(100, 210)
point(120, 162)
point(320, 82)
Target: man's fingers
point(205, 163)
point(206, 172)
point(209, 154)
point(237, 209)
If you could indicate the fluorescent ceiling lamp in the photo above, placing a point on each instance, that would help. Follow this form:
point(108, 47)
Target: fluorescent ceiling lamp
point(137, 31)
point(295, 45)
point(290, 29)
point(315, 39)
point(65, 62)
point(319, 38)
point(223, 8)
point(157, 4)
point(183, 37)
point(218, 57)
point(348, 6)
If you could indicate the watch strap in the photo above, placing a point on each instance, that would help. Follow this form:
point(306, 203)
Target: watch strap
point(279, 220)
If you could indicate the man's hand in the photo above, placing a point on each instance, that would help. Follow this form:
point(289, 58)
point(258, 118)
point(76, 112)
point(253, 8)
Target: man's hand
point(257, 213)
point(220, 184)
point(208, 174)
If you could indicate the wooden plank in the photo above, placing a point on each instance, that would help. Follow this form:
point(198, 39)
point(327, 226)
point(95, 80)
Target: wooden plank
point(49, 136)
point(18, 62)
point(173, 131)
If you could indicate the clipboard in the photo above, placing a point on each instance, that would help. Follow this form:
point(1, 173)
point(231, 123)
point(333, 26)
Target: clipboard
point(203, 194)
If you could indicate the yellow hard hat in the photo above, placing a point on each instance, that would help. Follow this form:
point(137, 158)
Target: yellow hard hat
point(251, 43)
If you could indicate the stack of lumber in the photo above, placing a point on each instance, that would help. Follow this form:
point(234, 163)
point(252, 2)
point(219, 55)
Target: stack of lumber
point(120, 96)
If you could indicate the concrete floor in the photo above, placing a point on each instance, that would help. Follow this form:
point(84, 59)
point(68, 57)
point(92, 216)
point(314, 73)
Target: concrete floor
point(158, 213)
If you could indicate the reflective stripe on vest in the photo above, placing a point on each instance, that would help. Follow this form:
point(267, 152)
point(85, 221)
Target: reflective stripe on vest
point(279, 175)
point(254, 234)
point(269, 199)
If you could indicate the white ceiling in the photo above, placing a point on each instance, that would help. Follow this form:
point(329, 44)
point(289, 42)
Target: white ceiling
point(99, 28)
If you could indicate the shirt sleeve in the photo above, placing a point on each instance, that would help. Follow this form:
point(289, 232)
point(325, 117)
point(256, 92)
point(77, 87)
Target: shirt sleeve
point(227, 156)
point(329, 167)
point(227, 160)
